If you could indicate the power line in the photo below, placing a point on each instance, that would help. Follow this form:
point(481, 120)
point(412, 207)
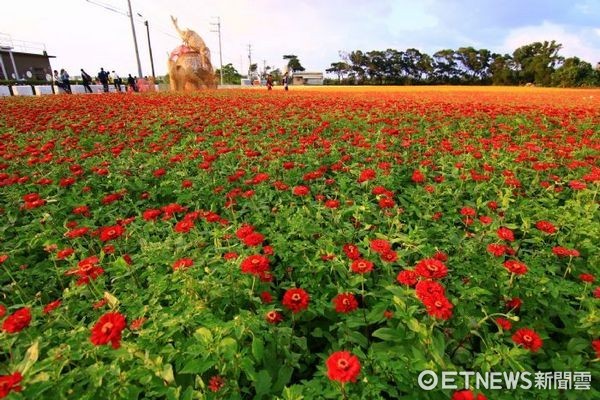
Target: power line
point(218, 24)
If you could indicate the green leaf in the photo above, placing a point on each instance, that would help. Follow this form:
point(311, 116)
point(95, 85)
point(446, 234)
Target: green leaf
point(262, 383)
point(197, 366)
point(258, 348)
point(387, 334)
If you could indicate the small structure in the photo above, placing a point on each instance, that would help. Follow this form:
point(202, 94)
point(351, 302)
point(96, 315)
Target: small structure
point(20, 60)
point(307, 78)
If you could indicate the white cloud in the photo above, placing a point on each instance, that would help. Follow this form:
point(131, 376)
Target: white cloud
point(579, 42)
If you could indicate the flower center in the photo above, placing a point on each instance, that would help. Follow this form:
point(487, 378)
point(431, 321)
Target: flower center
point(527, 338)
point(296, 297)
point(342, 363)
point(107, 327)
point(438, 304)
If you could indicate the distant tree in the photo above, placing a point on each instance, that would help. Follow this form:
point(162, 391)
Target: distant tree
point(358, 65)
point(417, 65)
point(575, 73)
point(445, 67)
point(293, 63)
point(230, 74)
point(339, 68)
point(376, 65)
point(536, 62)
point(474, 64)
point(502, 70)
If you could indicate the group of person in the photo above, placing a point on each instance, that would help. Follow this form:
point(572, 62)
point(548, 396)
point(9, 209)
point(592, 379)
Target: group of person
point(105, 78)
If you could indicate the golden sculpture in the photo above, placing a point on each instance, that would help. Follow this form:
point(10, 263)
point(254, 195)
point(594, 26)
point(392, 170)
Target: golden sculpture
point(189, 64)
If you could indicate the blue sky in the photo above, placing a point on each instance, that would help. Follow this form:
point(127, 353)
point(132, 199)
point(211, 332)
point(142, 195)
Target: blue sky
point(84, 35)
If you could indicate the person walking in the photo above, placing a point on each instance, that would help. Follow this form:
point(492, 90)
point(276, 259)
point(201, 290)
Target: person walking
point(58, 82)
point(117, 81)
point(269, 82)
point(103, 77)
point(131, 83)
point(86, 79)
point(64, 77)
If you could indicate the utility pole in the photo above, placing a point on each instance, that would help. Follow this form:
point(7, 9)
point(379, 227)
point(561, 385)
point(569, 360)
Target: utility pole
point(137, 53)
point(150, 48)
point(249, 59)
point(218, 24)
point(265, 68)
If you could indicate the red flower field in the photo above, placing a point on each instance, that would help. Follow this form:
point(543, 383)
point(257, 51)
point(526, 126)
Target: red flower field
point(316, 244)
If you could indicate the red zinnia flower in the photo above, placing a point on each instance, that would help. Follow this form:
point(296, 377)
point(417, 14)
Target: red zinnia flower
point(108, 329)
point(380, 246)
point(361, 266)
point(467, 395)
point(10, 383)
point(151, 215)
point(216, 383)
point(496, 249)
point(431, 268)
point(345, 303)
point(504, 323)
point(367, 175)
point(564, 252)
point(588, 278)
point(545, 226)
point(343, 367)
point(426, 289)
point(505, 234)
point(86, 269)
point(438, 306)
point(64, 253)
point(2, 311)
point(111, 232)
point(516, 267)
point(596, 346)
point(51, 306)
point(468, 212)
point(389, 256)
point(255, 264)
point(597, 292)
point(514, 303)
point(184, 226)
point(301, 190)
point(253, 239)
point(333, 204)
point(351, 251)
point(417, 176)
point(407, 277)
point(296, 300)
point(17, 321)
point(266, 297)
point(244, 231)
point(528, 339)
point(273, 317)
point(183, 263)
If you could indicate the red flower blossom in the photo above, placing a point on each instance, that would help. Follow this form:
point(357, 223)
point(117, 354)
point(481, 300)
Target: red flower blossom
point(564, 252)
point(596, 347)
point(577, 185)
point(17, 321)
point(343, 367)
point(427, 289)
point(431, 268)
point(64, 253)
point(545, 226)
point(486, 220)
point(505, 234)
point(380, 246)
point(514, 303)
point(440, 256)
point(77, 232)
point(183, 263)
point(407, 277)
point(137, 324)
point(333, 204)
point(361, 266)
point(151, 214)
point(244, 231)
point(345, 303)
point(184, 226)
point(504, 323)
point(110, 232)
point(216, 383)
point(389, 256)
point(588, 278)
point(2, 311)
point(108, 329)
point(253, 239)
point(301, 190)
point(87, 269)
point(516, 267)
point(351, 251)
point(51, 306)
point(255, 264)
point(597, 292)
point(527, 338)
point(10, 383)
point(266, 297)
point(468, 212)
point(496, 249)
point(467, 395)
point(3, 257)
point(438, 306)
point(296, 300)
point(273, 317)
point(417, 176)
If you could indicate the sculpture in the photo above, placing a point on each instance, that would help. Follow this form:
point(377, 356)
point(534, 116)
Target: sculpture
point(189, 64)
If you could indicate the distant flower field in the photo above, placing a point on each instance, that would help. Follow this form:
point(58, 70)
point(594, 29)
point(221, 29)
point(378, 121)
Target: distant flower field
point(312, 244)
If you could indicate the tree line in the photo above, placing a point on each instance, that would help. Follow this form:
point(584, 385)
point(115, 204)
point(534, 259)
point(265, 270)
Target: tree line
point(538, 63)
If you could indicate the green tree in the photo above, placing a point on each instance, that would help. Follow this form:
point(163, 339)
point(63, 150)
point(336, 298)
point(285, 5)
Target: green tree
point(445, 67)
point(293, 63)
point(230, 74)
point(536, 62)
point(474, 63)
point(502, 69)
point(575, 73)
point(339, 68)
